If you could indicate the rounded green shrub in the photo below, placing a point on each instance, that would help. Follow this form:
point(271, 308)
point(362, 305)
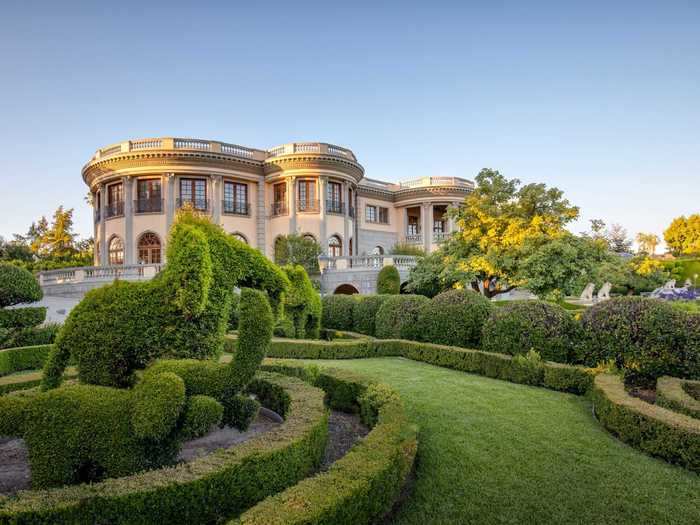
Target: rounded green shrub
point(201, 414)
point(22, 317)
point(17, 285)
point(521, 326)
point(389, 281)
point(646, 339)
point(284, 328)
point(364, 314)
point(397, 317)
point(455, 317)
point(302, 305)
point(158, 401)
point(337, 311)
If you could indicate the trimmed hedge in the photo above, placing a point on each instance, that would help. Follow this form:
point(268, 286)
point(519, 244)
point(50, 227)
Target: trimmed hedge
point(23, 358)
point(397, 317)
point(337, 312)
point(521, 326)
point(37, 335)
point(17, 285)
point(455, 318)
point(655, 430)
point(26, 381)
point(223, 483)
point(364, 314)
point(22, 317)
point(646, 338)
point(362, 486)
point(674, 394)
point(389, 281)
point(555, 376)
point(302, 304)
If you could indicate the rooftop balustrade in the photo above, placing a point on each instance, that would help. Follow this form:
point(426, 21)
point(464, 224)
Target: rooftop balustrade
point(359, 262)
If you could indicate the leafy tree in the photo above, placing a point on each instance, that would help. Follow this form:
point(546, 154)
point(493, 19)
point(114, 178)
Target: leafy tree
point(683, 235)
point(647, 242)
point(428, 276)
point(298, 249)
point(618, 240)
point(500, 223)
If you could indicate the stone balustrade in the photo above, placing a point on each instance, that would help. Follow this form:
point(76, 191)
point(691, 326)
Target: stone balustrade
point(331, 264)
point(98, 274)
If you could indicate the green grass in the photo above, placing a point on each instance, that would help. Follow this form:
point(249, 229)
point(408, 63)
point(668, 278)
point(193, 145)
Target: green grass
point(496, 452)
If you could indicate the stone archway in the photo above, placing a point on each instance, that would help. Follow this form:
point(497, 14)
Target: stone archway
point(346, 289)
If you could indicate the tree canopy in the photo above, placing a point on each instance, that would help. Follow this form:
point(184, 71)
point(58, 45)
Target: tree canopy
point(299, 249)
point(683, 235)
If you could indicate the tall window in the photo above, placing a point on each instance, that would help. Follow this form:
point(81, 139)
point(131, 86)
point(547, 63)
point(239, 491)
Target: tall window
point(438, 226)
point(115, 200)
point(279, 204)
point(116, 251)
point(240, 237)
point(148, 196)
point(413, 225)
point(149, 248)
point(383, 215)
point(335, 246)
point(235, 198)
point(307, 195)
point(194, 192)
point(335, 200)
point(371, 213)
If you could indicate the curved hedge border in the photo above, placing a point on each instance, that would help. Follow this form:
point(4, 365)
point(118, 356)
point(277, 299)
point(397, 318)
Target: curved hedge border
point(28, 380)
point(363, 485)
point(671, 393)
point(555, 376)
point(655, 430)
point(223, 483)
point(23, 358)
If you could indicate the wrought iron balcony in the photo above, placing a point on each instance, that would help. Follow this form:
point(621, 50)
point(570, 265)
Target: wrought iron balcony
point(308, 206)
point(195, 204)
point(334, 206)
point(235, 208)
point(114, 209)
point(151, 205)
point(278, 208)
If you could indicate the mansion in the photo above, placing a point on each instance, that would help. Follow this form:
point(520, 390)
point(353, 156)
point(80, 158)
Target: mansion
point(310, 188)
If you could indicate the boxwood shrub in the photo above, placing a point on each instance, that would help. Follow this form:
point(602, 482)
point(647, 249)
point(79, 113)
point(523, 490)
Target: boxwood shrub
point(362, 486)
point(364, 314)
point(388, 280)
point(657, 431)
point(38, 335)
point(22, 317)
point(646, 338)
point(23, 358)
point(337, 311)
point(17, 285)
point(521, 326)
point(223, 483)
point(397, 317)
point(675, 394)
point(455, 317)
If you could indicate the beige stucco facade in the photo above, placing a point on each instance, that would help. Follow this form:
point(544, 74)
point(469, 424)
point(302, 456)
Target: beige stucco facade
point(314, 189)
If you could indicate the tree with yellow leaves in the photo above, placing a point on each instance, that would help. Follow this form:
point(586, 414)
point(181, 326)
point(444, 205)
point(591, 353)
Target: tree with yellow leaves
point(683, 235)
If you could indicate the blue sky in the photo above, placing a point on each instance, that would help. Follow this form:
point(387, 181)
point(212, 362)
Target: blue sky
point(601, 99)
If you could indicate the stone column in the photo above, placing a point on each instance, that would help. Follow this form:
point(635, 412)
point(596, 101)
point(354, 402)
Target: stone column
point(260, 214)
point(323, 234)
point(355, 223)
point(451, 226)
point(128, 221)
point(103, 234)
point(403, 235)
point(292, 200)
point(427, 212)
point(217, 197)
point(169, 200)
point(346, 222)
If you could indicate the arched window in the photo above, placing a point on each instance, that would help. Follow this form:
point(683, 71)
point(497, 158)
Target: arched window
point(309, 237)
point(240, 237)
point(116, 251)
point(378, 250)
point(335, 246)
point(149, 248)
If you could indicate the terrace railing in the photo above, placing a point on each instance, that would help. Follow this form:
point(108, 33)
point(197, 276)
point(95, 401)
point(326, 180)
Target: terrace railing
point(103, 274)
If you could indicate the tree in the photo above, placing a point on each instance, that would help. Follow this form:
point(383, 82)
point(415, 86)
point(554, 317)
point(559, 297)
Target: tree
point(500, 223)
point(389, 281)
point(427, 277)
point(618, 240)
point(298, 249)
point(683, 235)
point(647, 242)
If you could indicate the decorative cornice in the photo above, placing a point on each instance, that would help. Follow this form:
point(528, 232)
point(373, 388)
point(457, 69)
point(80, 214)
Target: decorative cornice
point(313, 161)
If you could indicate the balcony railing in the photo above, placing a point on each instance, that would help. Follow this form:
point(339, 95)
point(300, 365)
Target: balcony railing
point(359, 262)
point(414, 238)
point(102, 274)
point(308, 206)
point(114, 209)
point(148, 206)
point(333, 206)
point(195, 204)
point(235, 208)
point(278, 208)
point(440, 236)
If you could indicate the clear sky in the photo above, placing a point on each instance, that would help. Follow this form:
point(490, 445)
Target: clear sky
point(601, 99)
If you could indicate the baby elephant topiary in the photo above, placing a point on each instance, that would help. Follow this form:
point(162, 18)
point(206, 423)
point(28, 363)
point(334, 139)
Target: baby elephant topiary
point(81, 433)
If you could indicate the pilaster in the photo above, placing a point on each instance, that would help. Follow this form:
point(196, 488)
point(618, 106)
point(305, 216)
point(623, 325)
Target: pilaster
point(128, 221)
point(103, 234)
point(427, 216)
point(292, 199)
point(323, 235)
point(217, 197)
point(169, 200)
point(346, 221)
point(260, 215)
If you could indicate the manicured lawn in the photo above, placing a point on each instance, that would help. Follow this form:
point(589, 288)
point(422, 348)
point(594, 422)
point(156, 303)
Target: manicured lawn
point(495, 452)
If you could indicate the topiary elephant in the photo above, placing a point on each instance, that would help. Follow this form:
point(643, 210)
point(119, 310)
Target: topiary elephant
point(183, 312)
point(80, 433)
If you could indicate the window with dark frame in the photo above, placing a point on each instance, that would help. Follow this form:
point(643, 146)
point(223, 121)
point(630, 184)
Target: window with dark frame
point(335, 199)
point(371, 213)
point(307, 195)
point(279, 192)
point(194, 192)
point(115, 200)
point(148, 196)
point(383, 215)
point(235, 198)
point(413, 227)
